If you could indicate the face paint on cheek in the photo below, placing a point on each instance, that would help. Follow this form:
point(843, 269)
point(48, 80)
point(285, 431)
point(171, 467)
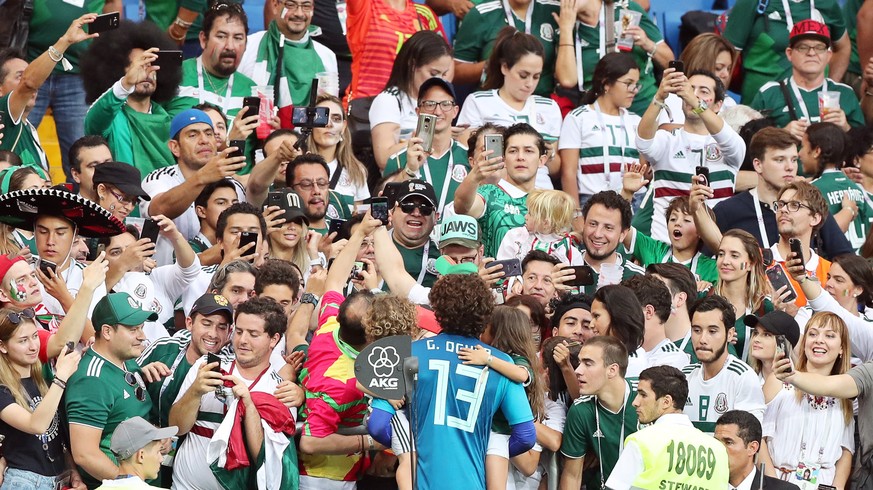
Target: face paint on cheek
point(743, 266)
point(846, 293)
point(17, 292)
point(284, 12)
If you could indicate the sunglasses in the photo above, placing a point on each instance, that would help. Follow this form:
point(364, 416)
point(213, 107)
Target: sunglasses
point(25, 314)
point(424, 209)
point(135, 380)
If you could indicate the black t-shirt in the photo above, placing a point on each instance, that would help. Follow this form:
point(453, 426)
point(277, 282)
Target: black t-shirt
point(326, 17)
point(24, 451)
point(739, 212)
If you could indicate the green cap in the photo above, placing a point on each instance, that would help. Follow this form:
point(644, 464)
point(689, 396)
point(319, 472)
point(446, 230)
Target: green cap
point(460, 229)
point(120, 309)
point(445, 266)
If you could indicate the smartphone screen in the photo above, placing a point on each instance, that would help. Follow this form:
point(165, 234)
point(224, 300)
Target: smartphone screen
point(379, 209)
point(779, 278)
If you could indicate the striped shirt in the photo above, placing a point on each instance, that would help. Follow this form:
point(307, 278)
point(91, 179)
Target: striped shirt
point(735, 387)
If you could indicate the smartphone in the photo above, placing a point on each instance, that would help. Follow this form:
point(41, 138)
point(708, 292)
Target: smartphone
point(783, 349)
point(337, 225)
point(150, 230)
point(767, 256)
point(779, 278)
point(71, 346)
point(253, 104)
point(240, 146)
point(356, 271)
point(494, 142)
point(511, 267)
point(105, 22)
point(702, 172)
point(379, 209)
point(677, 64)
point(425, 130)
point(247, 237)
point(795, 246)
point(210, 358)
point(47, 265)
point(275, 198)
point(310, 117)
point(95, 252)
point(169, 59)
point(584, 276)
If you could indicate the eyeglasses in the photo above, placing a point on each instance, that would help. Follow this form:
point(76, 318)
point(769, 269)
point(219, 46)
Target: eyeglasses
point(791, 206)
point(367, 244)
point(307, 185)
point(135, 380)
point(305, 7)
point(805, 48)
point(122, 199)
point(431, 105)
point(631, 85)
point(424, 209)
point(25, 314)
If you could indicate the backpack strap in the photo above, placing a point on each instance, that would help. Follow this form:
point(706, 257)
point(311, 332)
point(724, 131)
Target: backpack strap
point(787, 96)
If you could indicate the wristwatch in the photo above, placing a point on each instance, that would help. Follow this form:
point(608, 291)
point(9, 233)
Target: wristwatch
point(310, 299)
point(701, 106)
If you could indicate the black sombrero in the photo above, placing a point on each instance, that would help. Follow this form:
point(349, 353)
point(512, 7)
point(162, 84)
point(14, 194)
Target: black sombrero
point(21, 208)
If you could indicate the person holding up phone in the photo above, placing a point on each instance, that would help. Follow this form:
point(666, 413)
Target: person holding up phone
point(118, 187)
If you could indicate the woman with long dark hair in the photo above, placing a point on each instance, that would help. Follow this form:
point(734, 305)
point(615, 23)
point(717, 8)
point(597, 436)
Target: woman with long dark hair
point(597, 139)
point(392, 116)
point(29, 405)
point(511, 76)
point(616, 312)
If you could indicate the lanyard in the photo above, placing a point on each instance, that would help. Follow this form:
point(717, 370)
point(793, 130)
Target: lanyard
point(169, 378)
point(607, 170)
point(765, 240)
point(580, 72)
point(685, 341)
point(200, 88)
point(445, 190)
point(601, 435)
point(800, 100)
point(789, 19)
point(424, 256)
point(510, 16)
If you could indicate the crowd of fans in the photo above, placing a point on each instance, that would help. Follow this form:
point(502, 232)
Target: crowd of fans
point(605, 249)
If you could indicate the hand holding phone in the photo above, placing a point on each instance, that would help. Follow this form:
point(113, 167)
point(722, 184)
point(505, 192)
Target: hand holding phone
point(511, 267)
point(150, 230)
point(240, 145)
point(247, 237)
point(677, 65)
point(211, 358)
point(796, 248)
point(104, 22)
point(46, 265)
point(703, 175)
point(583, 276)
point(425, 131)
point(379, 209)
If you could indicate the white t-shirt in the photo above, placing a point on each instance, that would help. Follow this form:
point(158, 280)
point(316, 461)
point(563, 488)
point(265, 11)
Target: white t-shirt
point(811, 430)
point(190, 469)
point(73, 278)
point(161, 180)
point(345, 185)
point(735, 387)
point(540, 112)
point(667, 354)
point(585, 131)
point(556, 417)
point(397, 107)
point(197, 287)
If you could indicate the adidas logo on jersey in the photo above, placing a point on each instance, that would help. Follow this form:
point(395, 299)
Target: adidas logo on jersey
point(595, 128)
point(679, 154)
point(598, 433)
point(126, 395)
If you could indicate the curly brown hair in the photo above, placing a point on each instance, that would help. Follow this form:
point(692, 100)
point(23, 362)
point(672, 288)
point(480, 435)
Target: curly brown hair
point(462, 304)
point(389, 315)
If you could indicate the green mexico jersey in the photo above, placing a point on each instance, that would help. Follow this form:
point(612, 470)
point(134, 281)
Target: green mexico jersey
point(650, 251)
point(98, 396)
point(629, 269)
point(764, 37)
point(771, 101)
point(833, 184)
point(198, 86)
point(167, 350)
point(50, 21)
point(421, 268)
point(850, 16)
point(584, 435)
point(505, 207)
point(21, 137)
point(450, 169)
point(339, 206)
point(588, 37)
point(499, 424)
point(475, 38)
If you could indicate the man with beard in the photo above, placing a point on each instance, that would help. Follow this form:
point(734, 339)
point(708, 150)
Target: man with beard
point(719, 382)
point(85, 155)
point(212, 77)
point(308, 175)
point(288, 42)
point(124, 109)
point(19, 85)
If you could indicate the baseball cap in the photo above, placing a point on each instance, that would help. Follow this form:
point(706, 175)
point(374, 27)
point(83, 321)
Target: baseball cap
point(776, 322)
point(211, 303)
point(292, 206)
point(134, 434)
point(445, 266)
point(460, 229)
point(436, 82)
point(6, 263)
point(187, 118)
point(416, 187)
point(120, 309)
point(426, 319)
point(809, 29)
point(126, 177)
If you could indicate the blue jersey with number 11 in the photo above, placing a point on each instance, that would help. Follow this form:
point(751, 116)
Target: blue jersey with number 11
point(454, 407)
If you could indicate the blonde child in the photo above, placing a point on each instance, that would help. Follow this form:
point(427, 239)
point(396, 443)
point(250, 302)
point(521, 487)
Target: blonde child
point(547, 227)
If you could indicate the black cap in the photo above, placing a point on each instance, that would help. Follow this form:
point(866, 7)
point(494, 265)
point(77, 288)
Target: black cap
point(292, 206)
point(122, 175)
point(416, 187)
point(436, 82)
point(778, 323)
point(210, 304)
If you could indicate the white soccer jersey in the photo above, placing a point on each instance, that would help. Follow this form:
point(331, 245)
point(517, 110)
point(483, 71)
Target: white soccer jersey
point(667, 354)
point(540, 112)
point(590, 133)
point(674, 157)
point(735, 387)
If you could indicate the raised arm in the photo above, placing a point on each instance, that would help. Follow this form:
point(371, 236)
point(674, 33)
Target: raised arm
point(76, 326)
point(467, 200)
point(265, 171)
point(707, 229)
point(390, 264)
point(176, 200)
point(671, 83)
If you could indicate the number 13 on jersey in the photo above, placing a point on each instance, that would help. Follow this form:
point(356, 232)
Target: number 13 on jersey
point(472, 398)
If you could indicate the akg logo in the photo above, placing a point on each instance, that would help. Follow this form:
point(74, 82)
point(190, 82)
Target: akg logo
point(383, 360)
